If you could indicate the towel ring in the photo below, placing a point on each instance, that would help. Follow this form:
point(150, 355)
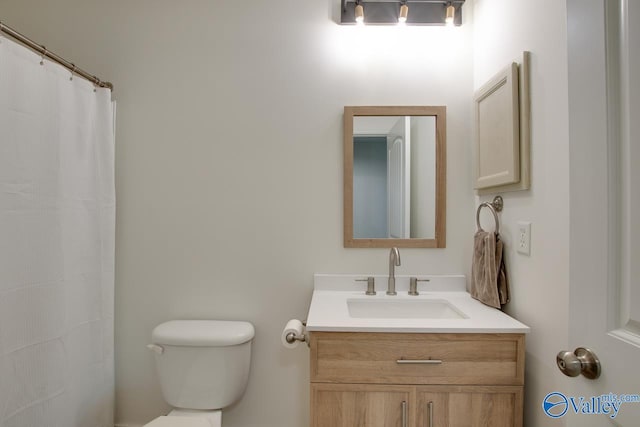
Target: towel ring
point(495, 207)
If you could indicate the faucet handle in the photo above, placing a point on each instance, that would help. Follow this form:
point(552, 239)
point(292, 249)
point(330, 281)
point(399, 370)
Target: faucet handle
point(413, 285)
point(371, 288)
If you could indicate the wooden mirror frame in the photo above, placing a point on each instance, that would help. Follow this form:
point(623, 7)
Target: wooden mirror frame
point(439, 112)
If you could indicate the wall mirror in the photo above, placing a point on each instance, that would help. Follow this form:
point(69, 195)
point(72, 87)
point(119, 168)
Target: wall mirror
point(395, 177)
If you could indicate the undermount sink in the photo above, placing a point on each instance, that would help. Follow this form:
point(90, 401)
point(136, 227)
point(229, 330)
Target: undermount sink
point(403, 308)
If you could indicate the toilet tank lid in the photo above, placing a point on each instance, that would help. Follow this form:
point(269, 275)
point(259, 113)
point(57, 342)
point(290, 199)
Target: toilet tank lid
point(203, 333)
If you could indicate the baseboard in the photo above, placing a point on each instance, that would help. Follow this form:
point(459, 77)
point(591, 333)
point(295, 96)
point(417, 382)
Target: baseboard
point(127, 425)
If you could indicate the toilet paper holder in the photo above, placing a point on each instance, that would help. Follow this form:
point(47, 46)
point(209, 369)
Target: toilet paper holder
point(292, 337)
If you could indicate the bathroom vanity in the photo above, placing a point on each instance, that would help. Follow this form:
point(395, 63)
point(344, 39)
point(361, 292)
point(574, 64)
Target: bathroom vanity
point(437, 359)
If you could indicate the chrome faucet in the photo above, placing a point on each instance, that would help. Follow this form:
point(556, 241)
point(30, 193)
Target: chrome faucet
point(394, 260)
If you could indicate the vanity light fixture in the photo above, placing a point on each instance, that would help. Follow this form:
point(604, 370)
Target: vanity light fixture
point(359, 11)
point(404, 12)
point(394, 12)
point(451, 14)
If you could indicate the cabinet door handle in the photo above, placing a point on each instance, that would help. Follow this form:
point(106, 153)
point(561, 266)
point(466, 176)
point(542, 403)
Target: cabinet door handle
point(418, 361)
point(404, 414)
point(429, 415)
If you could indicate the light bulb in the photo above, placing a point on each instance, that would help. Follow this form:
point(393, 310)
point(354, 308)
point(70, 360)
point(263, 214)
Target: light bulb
point(404, 11)
point(359, 14)
point(451, 14)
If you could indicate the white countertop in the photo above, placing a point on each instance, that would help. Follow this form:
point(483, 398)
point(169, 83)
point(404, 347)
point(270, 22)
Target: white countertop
point(328, 310)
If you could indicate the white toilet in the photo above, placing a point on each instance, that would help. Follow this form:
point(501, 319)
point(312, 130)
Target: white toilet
point(203, 366)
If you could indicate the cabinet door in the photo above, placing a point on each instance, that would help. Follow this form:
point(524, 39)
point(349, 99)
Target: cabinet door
point(469, 406)
point(355, 405)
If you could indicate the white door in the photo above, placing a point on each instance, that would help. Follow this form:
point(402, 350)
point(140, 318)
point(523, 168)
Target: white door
point(399, 179)
point(396, 193)
point(604, 115)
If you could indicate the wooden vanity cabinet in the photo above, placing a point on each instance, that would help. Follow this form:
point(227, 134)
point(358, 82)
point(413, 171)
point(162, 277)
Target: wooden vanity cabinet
point(416, 380)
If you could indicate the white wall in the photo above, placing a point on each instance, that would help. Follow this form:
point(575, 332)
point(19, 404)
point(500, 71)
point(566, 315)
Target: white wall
point(229, 167)
point(423, 177)
point(540, 282)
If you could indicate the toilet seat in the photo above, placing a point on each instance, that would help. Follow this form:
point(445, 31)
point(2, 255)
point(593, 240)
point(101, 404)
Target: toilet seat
point(179, 422)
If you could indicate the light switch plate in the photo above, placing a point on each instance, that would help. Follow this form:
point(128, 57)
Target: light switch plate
point(523, 242)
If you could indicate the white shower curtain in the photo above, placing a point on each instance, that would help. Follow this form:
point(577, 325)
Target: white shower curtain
point(57, 222)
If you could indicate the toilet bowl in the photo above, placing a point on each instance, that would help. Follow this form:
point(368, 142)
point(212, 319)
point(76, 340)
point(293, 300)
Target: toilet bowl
point(203, 367)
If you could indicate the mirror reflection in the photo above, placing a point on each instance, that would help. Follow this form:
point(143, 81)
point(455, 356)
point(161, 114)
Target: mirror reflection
point(394, 176)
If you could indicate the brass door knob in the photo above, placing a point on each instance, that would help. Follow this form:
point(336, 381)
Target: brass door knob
point(582, 361)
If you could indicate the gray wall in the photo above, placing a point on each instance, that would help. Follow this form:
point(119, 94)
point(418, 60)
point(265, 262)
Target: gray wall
point(229, 165)
point(370, 187)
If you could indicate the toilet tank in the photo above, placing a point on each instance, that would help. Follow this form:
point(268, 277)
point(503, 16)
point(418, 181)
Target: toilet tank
point(203, 364)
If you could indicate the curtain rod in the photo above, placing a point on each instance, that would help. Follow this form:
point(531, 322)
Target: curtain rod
point(44, 52)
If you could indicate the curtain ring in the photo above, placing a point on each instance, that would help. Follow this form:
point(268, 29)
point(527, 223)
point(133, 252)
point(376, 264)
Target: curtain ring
point(44, 54)
point(96, 83)
point(73, 70)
